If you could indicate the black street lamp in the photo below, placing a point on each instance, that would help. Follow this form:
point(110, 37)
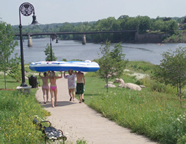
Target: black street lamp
point(26, 9)
point(52, 37)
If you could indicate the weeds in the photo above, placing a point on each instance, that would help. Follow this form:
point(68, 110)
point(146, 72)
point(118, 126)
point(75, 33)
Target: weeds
point(16, 121)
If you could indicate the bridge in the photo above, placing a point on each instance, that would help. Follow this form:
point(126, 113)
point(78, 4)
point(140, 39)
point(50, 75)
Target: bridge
point(54, 34)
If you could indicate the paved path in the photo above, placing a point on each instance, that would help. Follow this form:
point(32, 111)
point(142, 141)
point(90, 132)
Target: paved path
point(78, 121)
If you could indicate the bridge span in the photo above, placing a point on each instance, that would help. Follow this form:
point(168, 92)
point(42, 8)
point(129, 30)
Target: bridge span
point(66, 33)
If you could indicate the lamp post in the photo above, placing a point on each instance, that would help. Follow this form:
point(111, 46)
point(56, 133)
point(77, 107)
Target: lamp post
point(25, 9)
point(52, 37)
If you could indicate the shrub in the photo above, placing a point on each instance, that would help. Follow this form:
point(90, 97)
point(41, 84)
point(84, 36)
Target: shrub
point(157, 86)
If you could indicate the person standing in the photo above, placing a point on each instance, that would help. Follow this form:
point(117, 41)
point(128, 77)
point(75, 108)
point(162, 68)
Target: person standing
point(53, 87)
point(80, 85)
point(45, 87)
point(71, 83)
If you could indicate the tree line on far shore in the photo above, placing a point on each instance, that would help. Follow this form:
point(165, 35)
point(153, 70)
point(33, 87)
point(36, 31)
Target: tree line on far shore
point(143, 24)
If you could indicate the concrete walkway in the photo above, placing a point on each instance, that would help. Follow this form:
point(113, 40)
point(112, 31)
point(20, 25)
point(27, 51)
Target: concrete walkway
point(78, 121)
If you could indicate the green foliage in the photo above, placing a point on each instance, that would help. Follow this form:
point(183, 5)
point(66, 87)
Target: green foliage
point(176, 37)
point(81, 141)
point(124, 22)
point(64, 59)
point(141, 66)
point(16, 118)
point(7, 45)
point(15, 70)
point(111, 63)
point(154, 114)
point(76, 60)
point(92, 74)
point(157, 86)
point(145, 23)
point(48, 54)
point(172, 69)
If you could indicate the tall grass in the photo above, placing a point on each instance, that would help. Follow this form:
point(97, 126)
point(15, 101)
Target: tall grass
point(154, 112)
point(16, 118)
point(17, 111)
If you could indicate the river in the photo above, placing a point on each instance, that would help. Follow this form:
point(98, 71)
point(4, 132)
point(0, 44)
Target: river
point(69, 49)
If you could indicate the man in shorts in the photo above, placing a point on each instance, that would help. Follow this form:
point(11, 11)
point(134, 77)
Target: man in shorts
point(80, 85)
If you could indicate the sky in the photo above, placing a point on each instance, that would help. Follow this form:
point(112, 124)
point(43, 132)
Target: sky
point(60, 11)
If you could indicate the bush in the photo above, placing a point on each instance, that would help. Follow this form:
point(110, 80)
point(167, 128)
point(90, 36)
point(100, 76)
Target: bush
point(157, 86)
point(15, 73)
point(64, 59)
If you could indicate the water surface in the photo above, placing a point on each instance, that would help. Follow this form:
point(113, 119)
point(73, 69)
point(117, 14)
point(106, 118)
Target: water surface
point(70, 49)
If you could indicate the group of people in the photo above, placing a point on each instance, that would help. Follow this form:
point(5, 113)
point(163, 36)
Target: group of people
point(72, 86)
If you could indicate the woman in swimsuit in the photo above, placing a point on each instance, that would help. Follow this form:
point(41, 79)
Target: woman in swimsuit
point(45, 87)
point(53, 87)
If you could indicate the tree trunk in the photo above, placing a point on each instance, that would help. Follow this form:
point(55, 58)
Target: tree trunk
point(5, 78)
point(180, 97)
point(178, 89)
point(107, 84)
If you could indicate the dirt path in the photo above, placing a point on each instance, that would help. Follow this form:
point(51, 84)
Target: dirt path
point(78, 121)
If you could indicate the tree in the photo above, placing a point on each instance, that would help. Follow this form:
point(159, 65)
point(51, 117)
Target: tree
point(145, 23)
point(158, 25)
point(123, 17)
point(48, 54)
point(172, 69)
point(184, 20)
point(15, 69)
point(7, 45)
point(112, 62)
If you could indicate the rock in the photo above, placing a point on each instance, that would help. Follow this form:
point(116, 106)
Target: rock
point(126, 70)
point(139, 76)
point(110, 85)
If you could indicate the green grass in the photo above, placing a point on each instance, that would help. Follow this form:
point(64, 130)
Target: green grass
point(140, 66)
point(16, 114)
point(10, 82)
point(16, 118)
point(153, 112)
point(17, 111)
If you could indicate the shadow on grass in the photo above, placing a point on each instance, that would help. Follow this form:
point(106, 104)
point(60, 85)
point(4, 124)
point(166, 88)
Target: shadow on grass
point(92, 94)
point(7, 89)
point(59, 104)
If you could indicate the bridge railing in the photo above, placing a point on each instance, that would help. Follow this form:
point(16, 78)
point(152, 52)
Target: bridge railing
point(66, 33)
